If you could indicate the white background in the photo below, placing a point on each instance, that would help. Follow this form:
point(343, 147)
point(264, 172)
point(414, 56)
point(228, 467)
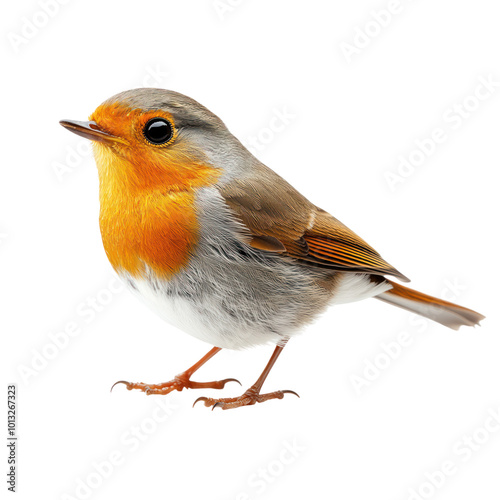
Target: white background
point(352, 121)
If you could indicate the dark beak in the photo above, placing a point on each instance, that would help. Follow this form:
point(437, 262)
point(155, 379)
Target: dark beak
point(90, 130)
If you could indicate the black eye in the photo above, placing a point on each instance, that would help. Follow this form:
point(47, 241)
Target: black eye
point(158, 131)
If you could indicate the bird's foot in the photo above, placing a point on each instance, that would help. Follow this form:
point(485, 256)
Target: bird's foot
point(178, 383)
point(248, 398)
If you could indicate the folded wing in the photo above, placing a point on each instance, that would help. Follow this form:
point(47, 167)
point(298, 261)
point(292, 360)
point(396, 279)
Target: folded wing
point(279, 219)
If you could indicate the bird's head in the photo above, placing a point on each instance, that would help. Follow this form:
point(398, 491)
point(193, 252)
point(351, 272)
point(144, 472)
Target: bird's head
point(157, 139)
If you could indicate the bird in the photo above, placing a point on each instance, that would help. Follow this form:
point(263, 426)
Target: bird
point(221, 246)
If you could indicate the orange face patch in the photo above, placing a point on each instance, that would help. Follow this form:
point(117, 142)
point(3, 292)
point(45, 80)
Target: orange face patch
point(147, 193)
point(177, 164)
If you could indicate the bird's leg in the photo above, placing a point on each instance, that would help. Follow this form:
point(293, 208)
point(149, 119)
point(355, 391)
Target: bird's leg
point(181, 381)
point(252, 395)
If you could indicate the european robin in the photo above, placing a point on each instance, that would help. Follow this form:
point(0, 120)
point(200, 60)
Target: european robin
point(220, 245)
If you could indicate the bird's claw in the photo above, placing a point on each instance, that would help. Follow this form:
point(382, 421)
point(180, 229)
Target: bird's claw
point(202, 398)
point(124, 382)
point(248, 398)
point(225, 381)
point(287, 391)
point(178, 383)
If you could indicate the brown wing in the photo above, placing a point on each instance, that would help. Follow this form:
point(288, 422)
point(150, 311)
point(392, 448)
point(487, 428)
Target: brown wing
point(279, 219)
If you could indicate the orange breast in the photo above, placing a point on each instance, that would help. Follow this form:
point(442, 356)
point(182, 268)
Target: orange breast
point(156, 230)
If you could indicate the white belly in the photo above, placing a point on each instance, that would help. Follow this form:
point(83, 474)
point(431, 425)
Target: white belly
point(203, 319)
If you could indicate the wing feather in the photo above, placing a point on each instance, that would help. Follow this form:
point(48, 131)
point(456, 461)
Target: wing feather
point(280, 220)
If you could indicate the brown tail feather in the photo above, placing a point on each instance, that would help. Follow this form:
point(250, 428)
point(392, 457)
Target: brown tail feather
point(443, 312)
